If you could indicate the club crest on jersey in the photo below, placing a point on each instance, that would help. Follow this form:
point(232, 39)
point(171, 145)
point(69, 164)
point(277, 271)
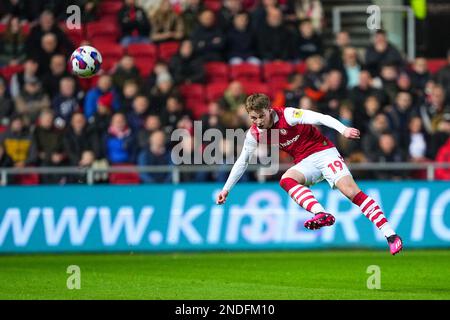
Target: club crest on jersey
point(283, 132)
point(297, 113)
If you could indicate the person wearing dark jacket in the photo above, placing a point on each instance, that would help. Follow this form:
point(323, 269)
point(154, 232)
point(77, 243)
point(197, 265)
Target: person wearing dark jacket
point(47, 24)
point(381, 53)
point(308, 42)
point(274, 40)
point(133, 23)
point(66, 102)
point(185, 67)
point(79, 138)
point(155, 154)
point(207, 38)
point(241, 41)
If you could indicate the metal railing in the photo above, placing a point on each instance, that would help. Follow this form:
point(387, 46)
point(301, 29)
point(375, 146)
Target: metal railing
point(410, 31)
point(176, 171)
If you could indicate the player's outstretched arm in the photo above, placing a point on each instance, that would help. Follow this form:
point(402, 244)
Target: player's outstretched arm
point(299, 116)
point(239, 167)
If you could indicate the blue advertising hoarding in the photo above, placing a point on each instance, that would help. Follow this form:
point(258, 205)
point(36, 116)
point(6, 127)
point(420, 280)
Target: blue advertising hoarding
point(185, 217)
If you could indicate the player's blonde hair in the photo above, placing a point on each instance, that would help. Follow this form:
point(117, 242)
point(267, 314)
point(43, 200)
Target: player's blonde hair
point(257, 102)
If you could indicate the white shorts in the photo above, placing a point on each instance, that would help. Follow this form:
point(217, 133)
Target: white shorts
point(327, 164)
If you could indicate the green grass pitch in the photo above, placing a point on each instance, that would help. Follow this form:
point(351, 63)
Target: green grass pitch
point(322, 274)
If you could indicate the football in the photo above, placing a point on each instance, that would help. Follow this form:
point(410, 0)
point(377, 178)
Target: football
point(85, 61)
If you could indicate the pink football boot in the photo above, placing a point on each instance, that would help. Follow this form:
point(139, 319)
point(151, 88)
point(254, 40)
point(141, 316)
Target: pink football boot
point(320, 220)
point(395, 244)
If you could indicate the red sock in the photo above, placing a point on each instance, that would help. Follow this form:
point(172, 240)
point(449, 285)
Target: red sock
point(370, 209)
point(301, 195)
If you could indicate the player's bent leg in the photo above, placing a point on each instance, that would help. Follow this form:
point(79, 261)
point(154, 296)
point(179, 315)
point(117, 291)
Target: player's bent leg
point(293, 183)
point(371, 210)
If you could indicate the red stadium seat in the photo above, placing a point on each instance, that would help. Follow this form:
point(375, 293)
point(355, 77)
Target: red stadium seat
point(143, 50)
point(8, 71)
point(3, 128)
point(168, 49)
point(144, 65)
point(434, 65)
point(193, 94)
point(216, 72)
point(102, 31)
point(27, 179)
point(214, 91)
point(257, 87)
point(213, 5)
point(111, 53)
point(76, 36)
point(26, 28)
point(198, 109)
point(124, 177)
point(3, 27)
point(110, 8)
point(246, 72)
point(277, 85)
point(277, 70)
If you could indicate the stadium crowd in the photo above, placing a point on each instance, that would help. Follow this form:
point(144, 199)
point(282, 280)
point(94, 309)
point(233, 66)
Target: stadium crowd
point(224, 50)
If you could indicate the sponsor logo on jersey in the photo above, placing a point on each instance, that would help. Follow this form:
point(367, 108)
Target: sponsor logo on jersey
point(298, 113)
point(289, 142)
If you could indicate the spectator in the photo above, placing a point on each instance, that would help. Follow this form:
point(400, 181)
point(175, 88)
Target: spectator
point(130, 91)
point(306, 9)
point(126, 70)
point(89, 10)
point(48, 48)
point(431, 112)
point(290, 96)
point(362, 115)
point(443, 156)
point(166, 24)
point(334, 94)
point(369, 142)
point(102, 117)
point(443, 77)
point(399, 116)
point(191, 11)
point(152, 123)
point(259, 14)
point(140, 110)
point(351, 67)
point(380, 53)
point(31, 66)
point(387, 152)
point(173, 113)
point(207, 39)
point(213, 118)
point(419, 76)
point(315, 78)
point(13, 8)
point(185, 67)
point(389, 75)
point(66, 102)
point(48, 147)
point(134, 25)
point(160, 68)
point(156, 154)
point(32, 100)
point(58, 70)
point(6, 104)
point(417, 140)
point(241, 41)
point(159, 94)
point(104, 88)
point(46, 25)
point(442, 134)
point(308, 42)
point(16, 141)
point(119, 142)
point(78, 139)
point(12, 44)
point(362, 91)
point(233, 97)
point(274, 40)
point(227, 13)
point(335, 53)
